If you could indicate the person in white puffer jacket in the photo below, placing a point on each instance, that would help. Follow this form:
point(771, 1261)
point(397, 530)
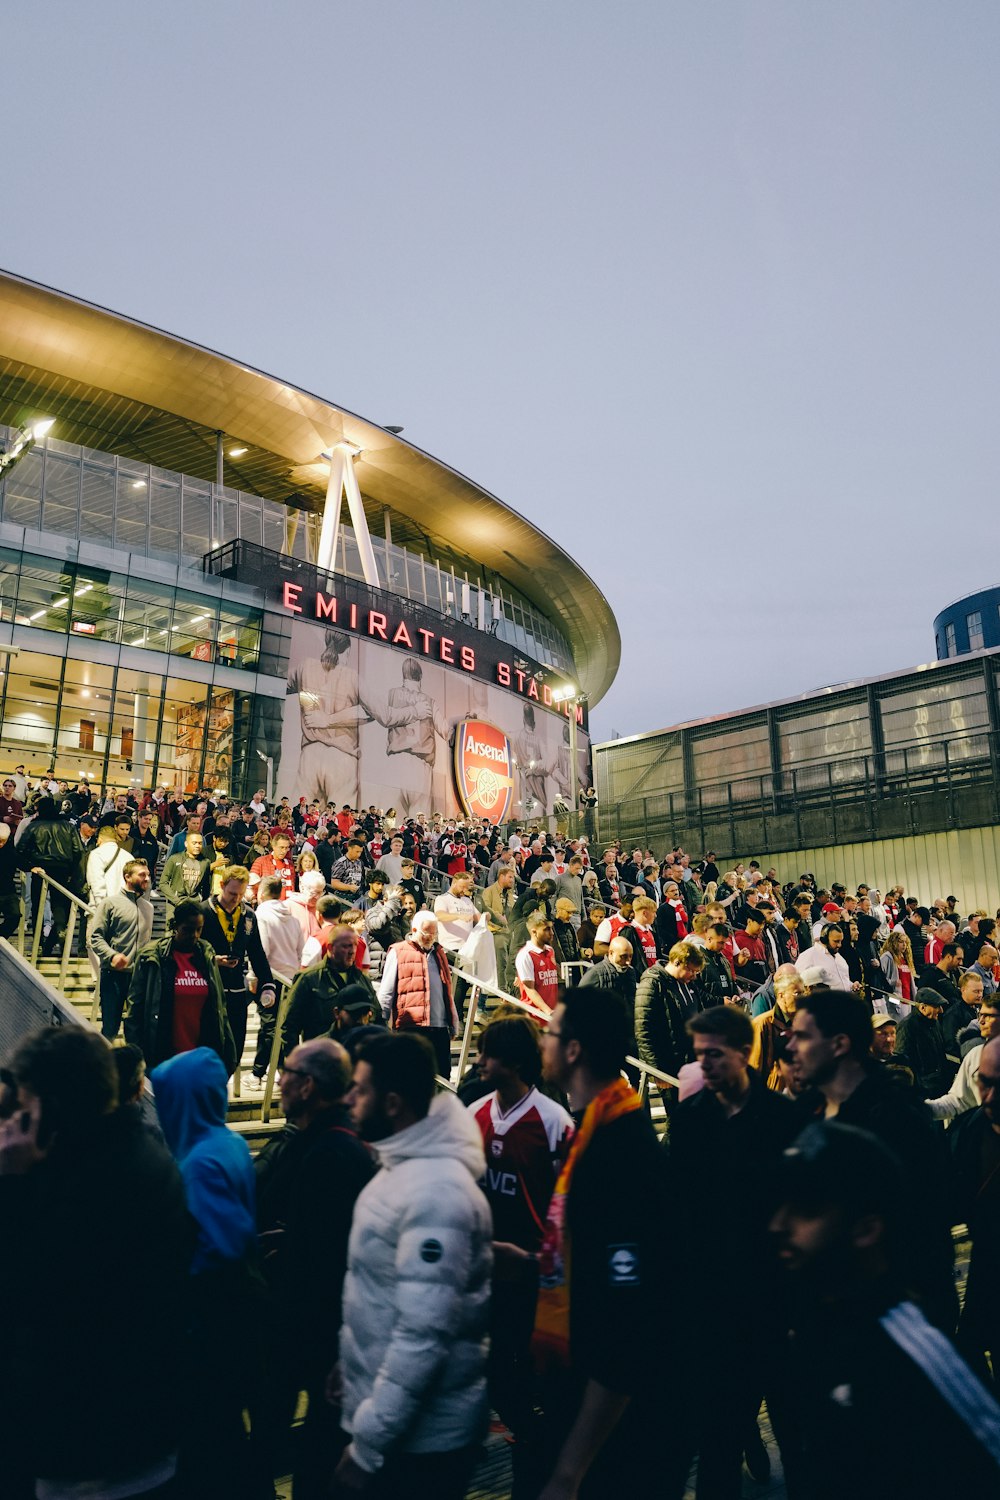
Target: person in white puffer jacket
point(414, 1339)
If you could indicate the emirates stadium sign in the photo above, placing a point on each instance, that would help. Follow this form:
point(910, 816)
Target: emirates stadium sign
point(484, 770)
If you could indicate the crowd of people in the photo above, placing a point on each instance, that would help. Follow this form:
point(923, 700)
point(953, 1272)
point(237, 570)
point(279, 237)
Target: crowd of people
point(414, 1253)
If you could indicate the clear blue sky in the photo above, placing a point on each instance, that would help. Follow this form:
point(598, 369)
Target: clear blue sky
point(707, 290)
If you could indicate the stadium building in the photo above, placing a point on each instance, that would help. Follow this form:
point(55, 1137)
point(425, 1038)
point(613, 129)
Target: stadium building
point(893, 778)
point(211, 577)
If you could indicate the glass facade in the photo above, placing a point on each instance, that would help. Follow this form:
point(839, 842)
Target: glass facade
point(920, 749)
point(974, 621)
point(123, 669)
point(88, 494)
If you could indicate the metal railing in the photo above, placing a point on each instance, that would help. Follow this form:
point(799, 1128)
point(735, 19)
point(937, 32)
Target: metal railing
point(76, 906)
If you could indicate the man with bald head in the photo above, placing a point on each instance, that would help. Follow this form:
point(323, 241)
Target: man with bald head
point(307, 1183)
point(615, 972)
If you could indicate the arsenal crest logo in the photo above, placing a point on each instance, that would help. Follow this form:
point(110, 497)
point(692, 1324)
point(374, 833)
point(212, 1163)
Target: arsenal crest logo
point(484, 764)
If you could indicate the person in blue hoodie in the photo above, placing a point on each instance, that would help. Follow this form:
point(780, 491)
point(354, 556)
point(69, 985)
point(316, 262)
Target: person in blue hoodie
point(217, 1172)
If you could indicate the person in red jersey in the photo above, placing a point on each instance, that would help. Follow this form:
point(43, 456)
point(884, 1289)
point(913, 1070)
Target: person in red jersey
point(536, 966)
point(526, 1138)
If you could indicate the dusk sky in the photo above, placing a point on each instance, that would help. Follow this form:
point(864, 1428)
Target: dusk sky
point(709, 291)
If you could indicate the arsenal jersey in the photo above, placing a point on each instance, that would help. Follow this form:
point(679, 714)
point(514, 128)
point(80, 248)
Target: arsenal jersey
point(525, 1149)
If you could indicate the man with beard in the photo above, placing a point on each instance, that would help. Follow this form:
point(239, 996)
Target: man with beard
point(414, 1339)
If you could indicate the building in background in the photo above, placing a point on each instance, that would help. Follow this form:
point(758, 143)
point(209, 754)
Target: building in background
point(893, 778)
point(970, 624)
point(210, 577)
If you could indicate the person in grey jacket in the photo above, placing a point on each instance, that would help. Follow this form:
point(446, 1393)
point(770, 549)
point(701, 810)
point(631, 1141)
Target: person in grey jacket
point(121, 927)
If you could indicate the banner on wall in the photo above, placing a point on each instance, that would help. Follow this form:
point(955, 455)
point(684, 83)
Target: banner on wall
point(365, 725)
point(484, 770)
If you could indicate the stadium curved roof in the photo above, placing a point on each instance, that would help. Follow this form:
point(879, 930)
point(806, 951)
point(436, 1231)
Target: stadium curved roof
point(114, 383)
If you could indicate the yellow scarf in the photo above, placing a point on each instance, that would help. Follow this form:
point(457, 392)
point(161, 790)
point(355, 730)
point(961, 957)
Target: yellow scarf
point(550, 1343)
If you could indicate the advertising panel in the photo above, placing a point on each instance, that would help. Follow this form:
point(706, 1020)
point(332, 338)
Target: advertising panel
point(364, 724)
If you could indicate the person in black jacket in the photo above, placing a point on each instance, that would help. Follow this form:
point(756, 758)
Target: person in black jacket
point(231, 930)
point(143, 841)
point(305, 1200)
point(51, 846)
point(920, 1045)
point(725, 1143)
point(865, 1360)
point(665, 1001)
point(830, 1042)
point(604, 1396)
point(73, 1165)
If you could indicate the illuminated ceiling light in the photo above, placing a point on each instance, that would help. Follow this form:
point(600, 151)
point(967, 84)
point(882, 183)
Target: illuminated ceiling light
point(236, 452)
point(83, 589)
point(85, 693)
point(38, 614)
point(198, 619)
point(140, 642)
point(58, 603)
point(42, 428)
point(138, 484)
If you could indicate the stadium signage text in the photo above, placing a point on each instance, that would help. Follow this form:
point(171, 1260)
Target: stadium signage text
point(326, 609)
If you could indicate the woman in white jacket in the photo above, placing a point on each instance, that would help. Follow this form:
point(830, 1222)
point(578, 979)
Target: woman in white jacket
point(416, 1299)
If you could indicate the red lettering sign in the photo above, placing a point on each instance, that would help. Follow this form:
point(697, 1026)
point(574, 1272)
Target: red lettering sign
point(290, 597)
point(377, 624)
point(326, 609)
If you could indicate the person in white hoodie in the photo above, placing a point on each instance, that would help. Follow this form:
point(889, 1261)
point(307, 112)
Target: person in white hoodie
point(413, 1344)
point(281, 932)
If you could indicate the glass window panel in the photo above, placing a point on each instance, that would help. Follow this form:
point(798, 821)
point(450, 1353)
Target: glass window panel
point(135, 717)
point(61, 496)
point(273, 520)
point(249, 522)
point(735, 752)
point(43, 594)
point(183, 735)
point(197, 519)
point(934, 712)
point(975, 624)
point(949, 635)
point(29, 722)
point(132, 507)
point(97, 503)
point(164, 515)
point(23, 491)
point(840, 734)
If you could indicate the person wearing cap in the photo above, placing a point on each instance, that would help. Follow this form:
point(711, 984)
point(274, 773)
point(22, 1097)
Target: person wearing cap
point(825, 955)
point(829, 912)
point(921, 1046)
point(883, 1036)
point(830, 1043)
point(866, 1360)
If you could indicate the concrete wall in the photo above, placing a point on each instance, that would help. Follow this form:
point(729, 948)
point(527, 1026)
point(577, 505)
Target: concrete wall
point(963, 862)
